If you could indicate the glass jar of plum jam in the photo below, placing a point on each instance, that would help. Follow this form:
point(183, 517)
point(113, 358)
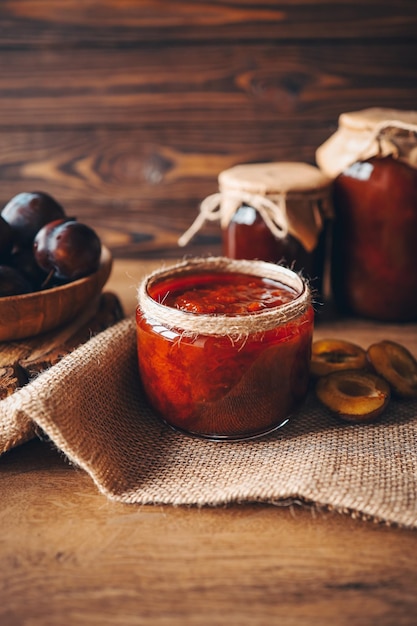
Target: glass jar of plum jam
point(373, 157)
point(276, 212)
point(224, 346)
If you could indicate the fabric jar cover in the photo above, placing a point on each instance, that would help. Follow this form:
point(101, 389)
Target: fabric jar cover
point(292, 197)
point(368, 133)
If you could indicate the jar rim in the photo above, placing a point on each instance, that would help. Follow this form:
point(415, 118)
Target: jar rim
point(190, 324)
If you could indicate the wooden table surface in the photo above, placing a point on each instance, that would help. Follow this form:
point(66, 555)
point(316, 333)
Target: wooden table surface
point(68, 556)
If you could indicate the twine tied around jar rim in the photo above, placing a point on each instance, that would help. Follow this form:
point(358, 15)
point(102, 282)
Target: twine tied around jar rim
point(235, 327)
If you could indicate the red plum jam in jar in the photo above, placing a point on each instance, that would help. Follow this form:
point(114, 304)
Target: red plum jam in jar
point(373, 157)
point(224, 346)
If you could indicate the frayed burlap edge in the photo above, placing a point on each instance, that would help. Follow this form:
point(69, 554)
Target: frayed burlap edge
point(92, 407)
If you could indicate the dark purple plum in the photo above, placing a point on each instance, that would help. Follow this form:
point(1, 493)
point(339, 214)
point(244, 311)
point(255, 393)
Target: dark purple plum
point(6, 239)
point(24, 261)
point(67, 249)
point(27, 212)
point(12, 282)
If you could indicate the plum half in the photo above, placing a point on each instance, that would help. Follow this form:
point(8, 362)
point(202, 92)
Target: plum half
point(332, 355)
point(356, 396)
point(397, 365)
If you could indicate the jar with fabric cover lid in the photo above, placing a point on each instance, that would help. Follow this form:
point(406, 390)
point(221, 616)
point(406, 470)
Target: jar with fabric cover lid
point(373, 158)
point(276, 212)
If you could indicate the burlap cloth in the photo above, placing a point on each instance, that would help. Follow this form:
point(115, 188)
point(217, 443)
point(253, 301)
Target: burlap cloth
point(92, 408)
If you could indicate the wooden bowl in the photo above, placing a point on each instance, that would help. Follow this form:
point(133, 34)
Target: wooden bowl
point(34, 313)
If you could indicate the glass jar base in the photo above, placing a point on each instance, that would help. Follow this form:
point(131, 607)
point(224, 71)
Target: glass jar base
point(228, 438)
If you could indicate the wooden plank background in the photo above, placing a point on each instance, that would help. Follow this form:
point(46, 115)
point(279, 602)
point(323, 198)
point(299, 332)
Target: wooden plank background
point(127, 111)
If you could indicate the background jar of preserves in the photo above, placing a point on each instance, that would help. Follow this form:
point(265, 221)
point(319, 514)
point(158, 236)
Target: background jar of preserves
point(224, 346)
point(373, 157)
point(276, 212)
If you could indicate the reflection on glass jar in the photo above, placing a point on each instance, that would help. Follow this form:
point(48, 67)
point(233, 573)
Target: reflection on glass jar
point(224, 346)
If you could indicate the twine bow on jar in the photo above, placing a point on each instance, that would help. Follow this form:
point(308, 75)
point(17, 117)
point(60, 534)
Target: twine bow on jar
point(223, 205)
point(292, 198)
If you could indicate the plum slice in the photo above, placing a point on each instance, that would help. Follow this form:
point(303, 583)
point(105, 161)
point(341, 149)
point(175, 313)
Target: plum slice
point(332, 355)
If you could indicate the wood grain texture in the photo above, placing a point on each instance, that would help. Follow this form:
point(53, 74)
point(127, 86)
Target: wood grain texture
point(310, 81)
point(69, 556)
point(76, 559)
point(96, 22)
point(11, 378)
point(141, 188)
point(127, 111)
